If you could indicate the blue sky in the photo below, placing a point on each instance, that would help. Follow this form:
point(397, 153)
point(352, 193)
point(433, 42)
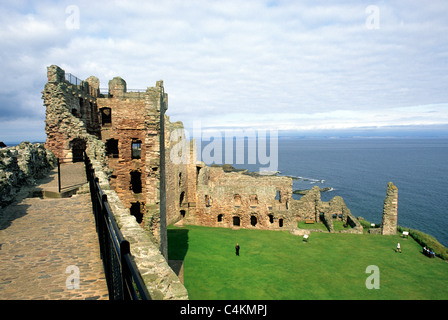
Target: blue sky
point(301, 66)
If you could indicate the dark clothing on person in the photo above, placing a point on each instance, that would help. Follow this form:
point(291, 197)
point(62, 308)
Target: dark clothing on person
point(237, 249)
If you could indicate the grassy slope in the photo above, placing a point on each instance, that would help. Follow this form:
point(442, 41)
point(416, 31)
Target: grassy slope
point(277, 265)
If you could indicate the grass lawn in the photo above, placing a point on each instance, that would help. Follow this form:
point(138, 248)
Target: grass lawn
point(277, 265)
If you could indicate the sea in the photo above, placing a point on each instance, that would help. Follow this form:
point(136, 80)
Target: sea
point(359, 169)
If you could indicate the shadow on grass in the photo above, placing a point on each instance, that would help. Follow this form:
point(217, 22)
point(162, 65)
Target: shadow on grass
point(177, 250)
point(177, 243)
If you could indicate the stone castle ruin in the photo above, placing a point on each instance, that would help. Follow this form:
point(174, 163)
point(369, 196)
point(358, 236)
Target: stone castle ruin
point(130, 142)
point(132, 134)
point(130, 137)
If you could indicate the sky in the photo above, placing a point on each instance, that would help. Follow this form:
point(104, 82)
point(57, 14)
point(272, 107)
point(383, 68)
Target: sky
point(304, 67)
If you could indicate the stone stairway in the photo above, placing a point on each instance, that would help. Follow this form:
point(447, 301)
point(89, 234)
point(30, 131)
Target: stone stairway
point(48, 246)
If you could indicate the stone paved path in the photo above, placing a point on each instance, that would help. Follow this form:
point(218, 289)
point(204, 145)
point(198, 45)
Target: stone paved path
point(39, 240)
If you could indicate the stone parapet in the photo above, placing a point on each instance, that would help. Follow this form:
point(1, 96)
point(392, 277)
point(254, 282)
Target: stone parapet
point(161, 281)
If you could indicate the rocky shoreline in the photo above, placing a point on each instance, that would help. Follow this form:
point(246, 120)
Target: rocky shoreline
point(305, 191)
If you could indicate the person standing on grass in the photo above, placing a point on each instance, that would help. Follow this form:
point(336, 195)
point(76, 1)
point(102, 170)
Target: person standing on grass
point(398, 247)
point(237, 249)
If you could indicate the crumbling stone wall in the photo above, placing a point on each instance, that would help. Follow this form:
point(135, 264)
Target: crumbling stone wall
point(236, 199)
point(181, 175)
point(311, 207)
point(308, 206)
point(390, 211)
point(221, 196)
point(20, 166)
point(71, 114)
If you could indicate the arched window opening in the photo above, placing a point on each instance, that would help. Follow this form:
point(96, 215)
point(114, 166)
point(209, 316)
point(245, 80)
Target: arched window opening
point(220, 217)
point(106, 116)
point(253, 221)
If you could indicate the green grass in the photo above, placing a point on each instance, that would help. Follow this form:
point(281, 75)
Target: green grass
point(277, 265)
point(318, 226)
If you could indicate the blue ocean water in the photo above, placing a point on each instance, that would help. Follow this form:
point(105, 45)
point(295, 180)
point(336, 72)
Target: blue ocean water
point(358, 170)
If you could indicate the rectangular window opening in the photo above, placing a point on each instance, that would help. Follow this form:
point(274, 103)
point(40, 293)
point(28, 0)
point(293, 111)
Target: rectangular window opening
point(136, 149)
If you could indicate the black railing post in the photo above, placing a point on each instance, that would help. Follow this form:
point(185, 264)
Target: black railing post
point(59, 175)
point(107, 249)
point(126, 276)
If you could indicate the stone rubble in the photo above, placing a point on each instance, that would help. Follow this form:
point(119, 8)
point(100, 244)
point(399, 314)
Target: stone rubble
point(21, 166)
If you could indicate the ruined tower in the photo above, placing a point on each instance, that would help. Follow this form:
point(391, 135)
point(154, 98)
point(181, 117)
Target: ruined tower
point(125, 127)
point(71, 113)
point(389, 222)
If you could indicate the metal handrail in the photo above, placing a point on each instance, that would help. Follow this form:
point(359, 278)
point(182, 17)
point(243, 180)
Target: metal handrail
point(72, 79)
point(60, 161)
point(123, 278)
point(106, 90)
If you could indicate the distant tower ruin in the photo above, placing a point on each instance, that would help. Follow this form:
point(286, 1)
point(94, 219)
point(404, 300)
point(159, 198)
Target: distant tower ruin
point(389, 222)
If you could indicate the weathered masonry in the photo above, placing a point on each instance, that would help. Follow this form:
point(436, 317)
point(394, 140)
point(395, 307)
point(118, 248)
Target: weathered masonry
point(138, 137)
point(121, 133)
point(129, 136)
point(390, 210)
point(128, 127)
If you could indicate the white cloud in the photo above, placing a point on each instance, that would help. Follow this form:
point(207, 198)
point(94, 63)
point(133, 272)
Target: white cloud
point(238, 62)
point(436, 114)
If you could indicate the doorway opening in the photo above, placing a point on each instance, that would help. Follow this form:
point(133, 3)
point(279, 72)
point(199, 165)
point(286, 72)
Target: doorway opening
point(280, 223)
point(78, 147)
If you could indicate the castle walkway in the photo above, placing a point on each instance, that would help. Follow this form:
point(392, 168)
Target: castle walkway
point(49, 246)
